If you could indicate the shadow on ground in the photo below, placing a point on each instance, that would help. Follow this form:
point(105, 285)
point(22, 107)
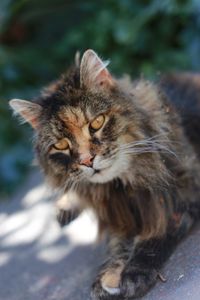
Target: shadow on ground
point(40, 261)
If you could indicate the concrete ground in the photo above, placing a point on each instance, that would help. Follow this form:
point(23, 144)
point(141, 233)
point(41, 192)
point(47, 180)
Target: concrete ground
point(40, 261)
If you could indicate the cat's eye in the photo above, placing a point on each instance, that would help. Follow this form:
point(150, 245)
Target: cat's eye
point(98, 122)
point(61, 145)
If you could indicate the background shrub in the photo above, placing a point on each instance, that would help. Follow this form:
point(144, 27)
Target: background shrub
point(38, 40)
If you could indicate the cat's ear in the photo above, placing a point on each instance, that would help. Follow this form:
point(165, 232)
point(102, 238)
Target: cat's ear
point(30, 112)
point(93, 72)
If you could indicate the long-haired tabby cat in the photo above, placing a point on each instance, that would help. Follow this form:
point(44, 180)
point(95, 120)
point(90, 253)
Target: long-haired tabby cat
point(128, 150)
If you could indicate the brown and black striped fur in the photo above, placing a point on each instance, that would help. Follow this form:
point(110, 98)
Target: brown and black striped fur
point(152, 197)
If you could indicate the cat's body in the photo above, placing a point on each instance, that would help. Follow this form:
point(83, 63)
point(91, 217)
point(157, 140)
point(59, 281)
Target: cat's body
point(126, 151)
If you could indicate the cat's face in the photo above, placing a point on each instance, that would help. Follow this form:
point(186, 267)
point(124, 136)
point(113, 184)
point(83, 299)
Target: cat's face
point(81, 126)
point(84, 143)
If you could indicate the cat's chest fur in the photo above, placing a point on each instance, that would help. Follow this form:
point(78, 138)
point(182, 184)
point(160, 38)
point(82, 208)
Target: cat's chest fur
point(122, 208)
point(112, 203)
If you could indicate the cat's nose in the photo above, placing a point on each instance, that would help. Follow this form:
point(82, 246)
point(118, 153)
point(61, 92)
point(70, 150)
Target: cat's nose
point(87, 160)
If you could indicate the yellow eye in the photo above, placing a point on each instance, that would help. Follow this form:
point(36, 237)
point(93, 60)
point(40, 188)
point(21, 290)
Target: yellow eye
point(98, 122)
point(61, 145)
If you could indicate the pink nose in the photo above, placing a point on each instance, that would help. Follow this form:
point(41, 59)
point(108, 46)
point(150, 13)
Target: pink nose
point(86, 160)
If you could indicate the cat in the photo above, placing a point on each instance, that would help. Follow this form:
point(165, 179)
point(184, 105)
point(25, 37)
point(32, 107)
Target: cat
point(128, 150)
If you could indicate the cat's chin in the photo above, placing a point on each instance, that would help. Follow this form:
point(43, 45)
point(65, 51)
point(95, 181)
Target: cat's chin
point(102, 176)
point(98, 176)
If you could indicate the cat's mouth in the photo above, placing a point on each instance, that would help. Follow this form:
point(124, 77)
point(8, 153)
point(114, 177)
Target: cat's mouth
point(97, 171)
point(96, 175)
point(100, 175)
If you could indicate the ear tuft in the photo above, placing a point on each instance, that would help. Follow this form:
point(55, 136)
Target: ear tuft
point(77, 59)
point(29, 111)
point(93, 71)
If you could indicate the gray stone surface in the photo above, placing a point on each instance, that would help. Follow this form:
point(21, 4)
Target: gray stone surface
point(40, 261)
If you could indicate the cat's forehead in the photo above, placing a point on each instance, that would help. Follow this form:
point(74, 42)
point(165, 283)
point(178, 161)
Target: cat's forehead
point(73, 116)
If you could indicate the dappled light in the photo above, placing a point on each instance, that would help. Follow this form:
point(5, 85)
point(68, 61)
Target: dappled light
point(4, 258)
point(43, 261)
point(33, 245)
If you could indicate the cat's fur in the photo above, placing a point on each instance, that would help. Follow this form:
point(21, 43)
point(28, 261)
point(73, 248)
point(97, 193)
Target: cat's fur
point(140, 172)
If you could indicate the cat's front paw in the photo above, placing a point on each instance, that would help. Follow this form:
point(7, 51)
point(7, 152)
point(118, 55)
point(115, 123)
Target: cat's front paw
point(64, 217)
point(107, 284)
point(131, 284)
point(136, 282)
point(100, 292)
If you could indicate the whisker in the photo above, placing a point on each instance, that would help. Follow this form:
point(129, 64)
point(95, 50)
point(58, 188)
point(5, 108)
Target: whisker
point(148, 142)
point(148, 150)
point(149, 145)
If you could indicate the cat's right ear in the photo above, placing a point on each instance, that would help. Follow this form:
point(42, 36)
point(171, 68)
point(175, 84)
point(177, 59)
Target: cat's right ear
point(29, 112)
point(94, 73)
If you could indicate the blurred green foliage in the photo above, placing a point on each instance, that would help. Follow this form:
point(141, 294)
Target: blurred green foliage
point(38, 40)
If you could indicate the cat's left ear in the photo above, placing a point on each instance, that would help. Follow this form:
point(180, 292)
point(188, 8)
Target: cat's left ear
point(29, 111)
point(93, 72)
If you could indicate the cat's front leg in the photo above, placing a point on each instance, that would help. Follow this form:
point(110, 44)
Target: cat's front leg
point(142, 270)
point(107, 285)
point(127, 274)
point(134, 268)
point(67, 208)
point(64, 217)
